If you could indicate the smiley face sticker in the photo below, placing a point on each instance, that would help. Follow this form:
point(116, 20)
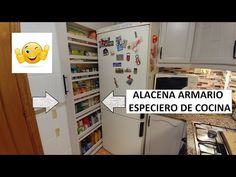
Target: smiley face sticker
point(31, 53)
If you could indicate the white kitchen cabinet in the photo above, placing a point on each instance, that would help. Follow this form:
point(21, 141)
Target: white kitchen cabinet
point(175, 42)
point(214, 43)
point(164, 135)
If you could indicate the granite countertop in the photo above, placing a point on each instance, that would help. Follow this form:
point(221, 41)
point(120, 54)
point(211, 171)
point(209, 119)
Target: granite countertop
point(214, 119)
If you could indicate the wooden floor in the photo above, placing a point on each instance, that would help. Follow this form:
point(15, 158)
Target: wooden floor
point(103, 151)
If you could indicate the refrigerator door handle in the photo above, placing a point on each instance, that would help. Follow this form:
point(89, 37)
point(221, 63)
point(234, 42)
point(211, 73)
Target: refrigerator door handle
point(234, 57)
point(142, 116)
point(161, 53)
point(148, 120)
point(141, 129)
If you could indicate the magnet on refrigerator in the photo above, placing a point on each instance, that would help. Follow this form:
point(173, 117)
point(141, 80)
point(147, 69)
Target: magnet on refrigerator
point(119, 57)
point(119, 44)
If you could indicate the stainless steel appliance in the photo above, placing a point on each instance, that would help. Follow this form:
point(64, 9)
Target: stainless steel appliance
point(208, 139)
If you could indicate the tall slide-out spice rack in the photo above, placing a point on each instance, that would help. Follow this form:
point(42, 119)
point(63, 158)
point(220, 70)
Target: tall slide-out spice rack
point(82, 95)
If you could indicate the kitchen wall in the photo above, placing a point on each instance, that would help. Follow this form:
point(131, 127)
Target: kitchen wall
point(97, 25)
point(207, 78)
point(53, 126)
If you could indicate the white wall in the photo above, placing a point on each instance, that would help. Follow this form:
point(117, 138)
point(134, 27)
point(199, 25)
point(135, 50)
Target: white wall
point(97, 25)
point(53, 83)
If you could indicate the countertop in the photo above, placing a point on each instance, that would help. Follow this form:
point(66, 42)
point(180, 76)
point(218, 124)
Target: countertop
point(214, 119)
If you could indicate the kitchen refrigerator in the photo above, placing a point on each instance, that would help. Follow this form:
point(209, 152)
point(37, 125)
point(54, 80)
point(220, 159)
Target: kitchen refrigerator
point(127, 56)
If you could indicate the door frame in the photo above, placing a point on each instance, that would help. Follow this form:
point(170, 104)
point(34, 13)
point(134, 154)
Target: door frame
point(26, 108)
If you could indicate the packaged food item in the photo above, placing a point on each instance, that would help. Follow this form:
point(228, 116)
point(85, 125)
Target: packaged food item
point(93, 35)
point(73, 68)
point(87, 144)
point(96, 99)
point(75, 52)
point(81, 126)
point(82, 145)
point(92, 138)
point(84, 104)
point(78, 107)
point(99, 134)
point(96, 136)
point(90, 120)
point(86, 123)
point(93, 119)
point(78, 130)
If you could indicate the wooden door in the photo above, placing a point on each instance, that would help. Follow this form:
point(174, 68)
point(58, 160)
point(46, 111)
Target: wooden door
point(18, 127)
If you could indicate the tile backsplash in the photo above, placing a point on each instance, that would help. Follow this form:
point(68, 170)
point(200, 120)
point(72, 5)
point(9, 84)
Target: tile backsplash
point(207, 78)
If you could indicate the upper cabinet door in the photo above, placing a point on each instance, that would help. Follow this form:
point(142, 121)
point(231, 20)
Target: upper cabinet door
point(214, 43)
point(176, 41)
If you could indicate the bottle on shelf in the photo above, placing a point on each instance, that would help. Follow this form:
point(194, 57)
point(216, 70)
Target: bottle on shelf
point(99, 134)
point(83, 146)
point(92, 138)
point(86, 123)
point(96, 136)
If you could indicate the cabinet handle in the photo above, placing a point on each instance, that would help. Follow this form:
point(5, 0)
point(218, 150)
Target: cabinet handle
point(234, 57)
point(141, 128)
point(161, 53)
point(64, 81)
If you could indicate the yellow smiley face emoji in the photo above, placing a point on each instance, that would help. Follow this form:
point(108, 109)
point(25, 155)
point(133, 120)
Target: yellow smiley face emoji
point(32, 53)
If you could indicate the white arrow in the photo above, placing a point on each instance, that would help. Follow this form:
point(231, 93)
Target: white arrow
point(112, 102)
point(47, 102)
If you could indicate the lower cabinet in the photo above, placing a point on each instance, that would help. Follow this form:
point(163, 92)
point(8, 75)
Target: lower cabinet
point(164, 135)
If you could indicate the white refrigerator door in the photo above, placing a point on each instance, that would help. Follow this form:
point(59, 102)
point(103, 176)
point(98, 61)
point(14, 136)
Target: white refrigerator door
point(121, 135)
point(107, 70)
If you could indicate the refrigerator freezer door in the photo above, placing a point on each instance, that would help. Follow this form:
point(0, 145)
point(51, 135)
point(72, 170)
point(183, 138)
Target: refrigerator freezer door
point(121, 135)
point(134, 63)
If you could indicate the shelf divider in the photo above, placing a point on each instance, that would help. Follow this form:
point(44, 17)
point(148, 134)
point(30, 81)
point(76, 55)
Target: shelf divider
point(79, 118)
point(86, 94)
point(93, 147)
point(89, 130)
point(86, 78)
point(87, 110)
point(81, 44)
point(84, 73)
point(86, 39)
point(81, 57)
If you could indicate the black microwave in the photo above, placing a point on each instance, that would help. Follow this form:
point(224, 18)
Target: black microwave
point(174, 82)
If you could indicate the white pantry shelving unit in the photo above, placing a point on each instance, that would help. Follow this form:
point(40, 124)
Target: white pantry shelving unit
point(81, 82)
